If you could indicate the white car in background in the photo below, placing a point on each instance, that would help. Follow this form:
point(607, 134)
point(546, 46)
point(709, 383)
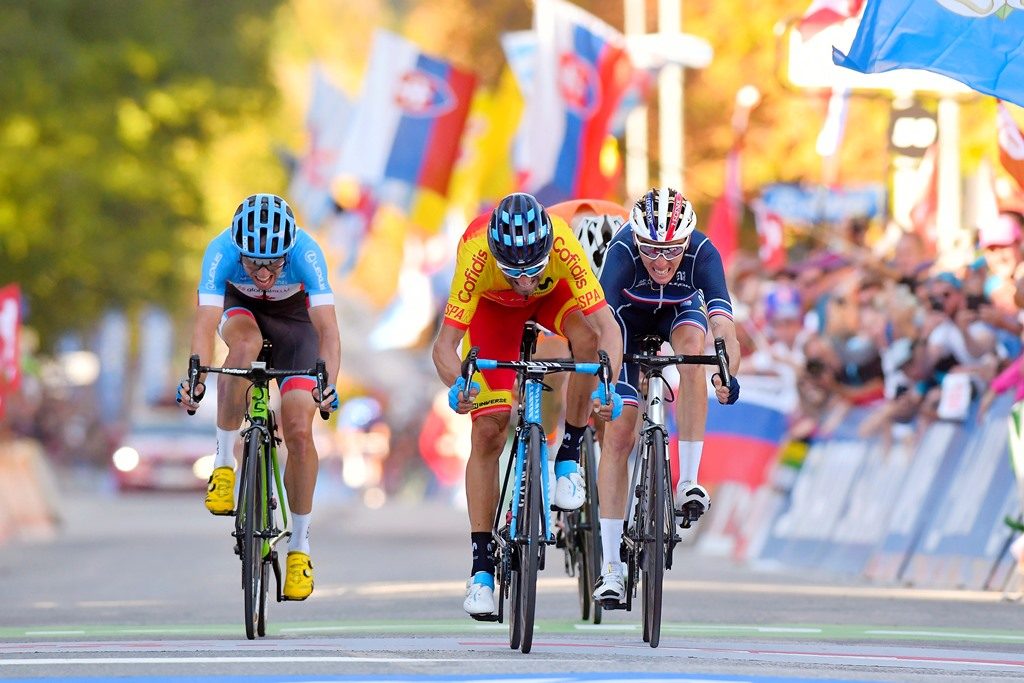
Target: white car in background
point(165, 452)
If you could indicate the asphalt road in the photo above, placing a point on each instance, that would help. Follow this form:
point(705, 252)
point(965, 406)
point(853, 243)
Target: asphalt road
point(147, 586)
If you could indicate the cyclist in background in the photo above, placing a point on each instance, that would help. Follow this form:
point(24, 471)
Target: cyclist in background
point(594, 222)
point(264, 278)
point(661, 276)
point(513, 265)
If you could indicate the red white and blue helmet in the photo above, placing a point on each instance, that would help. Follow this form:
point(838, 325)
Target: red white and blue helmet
point(264, 227)
point(519, 233)
point(662, 215)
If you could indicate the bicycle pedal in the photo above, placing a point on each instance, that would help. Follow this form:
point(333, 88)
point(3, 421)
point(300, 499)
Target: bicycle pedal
point(684, 523)
point(485, 617)
point(613, 604)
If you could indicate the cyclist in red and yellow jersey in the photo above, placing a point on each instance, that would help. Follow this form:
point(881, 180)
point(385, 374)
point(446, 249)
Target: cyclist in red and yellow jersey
point(514, 265)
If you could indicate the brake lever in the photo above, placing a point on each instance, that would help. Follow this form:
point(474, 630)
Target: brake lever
point(193, 379)
point(321, 384)
point(723, 362)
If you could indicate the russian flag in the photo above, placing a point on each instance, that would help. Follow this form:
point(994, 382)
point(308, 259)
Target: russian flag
point(581, 76)
point(741, 441)
point(410, 117)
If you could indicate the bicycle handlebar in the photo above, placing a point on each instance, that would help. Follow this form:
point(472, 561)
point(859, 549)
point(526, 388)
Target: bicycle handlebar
point(258, 374)
point(720, 358)
point(473, 362)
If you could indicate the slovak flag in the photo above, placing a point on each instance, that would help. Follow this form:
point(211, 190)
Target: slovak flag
point(770, 246)
point(581, 75)
point(824, 13)
point(410, 117)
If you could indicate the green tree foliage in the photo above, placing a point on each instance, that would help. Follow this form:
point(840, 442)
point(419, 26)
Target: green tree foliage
point(109, 113)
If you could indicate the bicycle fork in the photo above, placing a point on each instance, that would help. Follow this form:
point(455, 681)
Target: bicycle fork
point(531, 416)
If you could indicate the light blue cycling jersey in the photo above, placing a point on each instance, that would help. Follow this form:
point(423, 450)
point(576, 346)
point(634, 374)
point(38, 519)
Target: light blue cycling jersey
point(305, 270)
point(627, 284)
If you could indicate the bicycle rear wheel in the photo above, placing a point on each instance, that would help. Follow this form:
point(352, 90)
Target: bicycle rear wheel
point(654, 537)
point(589, 533)
point(268, 520)
point(250, 544)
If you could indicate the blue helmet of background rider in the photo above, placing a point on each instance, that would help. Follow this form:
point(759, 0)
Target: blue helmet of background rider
point(264, 227)
point(519, 233)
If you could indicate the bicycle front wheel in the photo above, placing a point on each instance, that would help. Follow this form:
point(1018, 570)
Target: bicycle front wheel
point(532, 537)
point(589, 536)
point(653, 565)
point(250, 543)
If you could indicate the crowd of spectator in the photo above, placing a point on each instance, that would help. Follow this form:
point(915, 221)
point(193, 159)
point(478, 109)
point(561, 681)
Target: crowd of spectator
point(874, 319)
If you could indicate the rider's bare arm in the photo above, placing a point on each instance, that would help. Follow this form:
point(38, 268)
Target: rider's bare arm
point(723, 326)
point(325, 321)
point(446, 355)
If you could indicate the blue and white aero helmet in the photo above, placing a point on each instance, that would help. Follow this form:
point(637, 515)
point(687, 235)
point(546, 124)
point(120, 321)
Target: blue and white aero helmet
point(663, 215)
point(264, 227)
point(519, 233)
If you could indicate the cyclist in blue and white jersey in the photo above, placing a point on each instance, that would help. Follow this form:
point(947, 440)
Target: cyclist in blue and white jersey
point(661, 276)
point(264, 278)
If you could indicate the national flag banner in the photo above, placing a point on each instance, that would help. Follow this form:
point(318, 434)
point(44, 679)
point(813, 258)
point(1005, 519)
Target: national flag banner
point(330, 112)
point(10, 352)
point(409, 119)
point(824, 13)
point(724, 221)
point(582, 72)
point(1011, 144)
point(977, 44)
point(770, 247)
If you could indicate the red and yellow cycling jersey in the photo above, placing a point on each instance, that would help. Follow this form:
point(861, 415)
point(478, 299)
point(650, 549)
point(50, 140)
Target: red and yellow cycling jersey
point(600, 207)
point(478, 276)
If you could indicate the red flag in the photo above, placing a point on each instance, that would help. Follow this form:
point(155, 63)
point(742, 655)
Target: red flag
point(823, 13)
point(10, 355)
point(769, 238)
point(722, 229)
point(922, 214)
point(1011, 144)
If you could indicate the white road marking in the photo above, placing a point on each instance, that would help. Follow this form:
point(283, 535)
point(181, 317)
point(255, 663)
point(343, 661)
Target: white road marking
point(66, 661)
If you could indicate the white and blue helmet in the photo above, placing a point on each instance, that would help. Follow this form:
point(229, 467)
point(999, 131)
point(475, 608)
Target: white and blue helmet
point(264, 227)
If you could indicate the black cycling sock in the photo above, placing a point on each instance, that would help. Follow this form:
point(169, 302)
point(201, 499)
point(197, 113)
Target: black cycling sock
point(570, 448)
point(483, 551)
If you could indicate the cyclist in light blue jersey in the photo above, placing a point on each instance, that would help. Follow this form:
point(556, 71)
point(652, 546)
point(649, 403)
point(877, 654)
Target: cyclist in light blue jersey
point(264, 278)
point(661, 276)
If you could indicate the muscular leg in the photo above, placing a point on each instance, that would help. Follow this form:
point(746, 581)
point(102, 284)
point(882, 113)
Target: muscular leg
point(488, 438)
point(244, 341)
point(303, 463)
point(583, 340)
point(692, 400)
point(613, 470)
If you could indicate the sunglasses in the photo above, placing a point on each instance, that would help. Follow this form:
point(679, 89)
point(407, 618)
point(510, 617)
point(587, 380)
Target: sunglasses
point(653, 252)
point(268, 263)
point(530, 271)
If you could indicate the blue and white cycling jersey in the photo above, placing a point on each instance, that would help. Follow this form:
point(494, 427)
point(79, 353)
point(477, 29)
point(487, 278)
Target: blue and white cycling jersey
point(627, 284)
point(305, 270)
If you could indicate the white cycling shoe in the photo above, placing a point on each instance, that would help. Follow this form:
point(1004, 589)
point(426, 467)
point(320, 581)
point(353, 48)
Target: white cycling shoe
point(692, 499)
point(570, 492)
point(612, 585)
point(479, 598)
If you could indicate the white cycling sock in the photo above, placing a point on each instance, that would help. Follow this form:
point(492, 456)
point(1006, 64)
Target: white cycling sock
point(225, 448)
point(300, 533)
point(689, 459)
point(611, 538)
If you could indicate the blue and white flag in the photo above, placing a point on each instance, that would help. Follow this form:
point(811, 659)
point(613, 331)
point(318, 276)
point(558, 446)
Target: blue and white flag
point(978, 44)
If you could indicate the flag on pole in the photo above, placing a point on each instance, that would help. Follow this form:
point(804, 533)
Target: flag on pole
point(10, 353)
point(410, 118)
point(1011, 144)
point(977, 44)
point(724, 222)
point(582, 72)
point(769, 237)
point(330, 111)
point(824, 13)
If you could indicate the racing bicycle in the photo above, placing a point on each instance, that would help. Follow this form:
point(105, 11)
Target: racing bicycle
point(579, 533)
point(649, 536)
point(524, 530)
point(261, 521)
